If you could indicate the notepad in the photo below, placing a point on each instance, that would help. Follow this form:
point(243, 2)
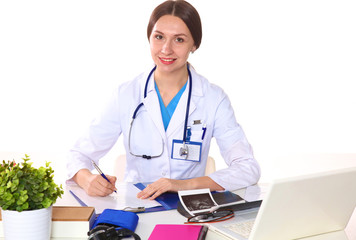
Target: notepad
point(178, 232)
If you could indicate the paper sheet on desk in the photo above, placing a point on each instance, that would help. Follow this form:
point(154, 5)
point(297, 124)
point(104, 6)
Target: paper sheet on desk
point(255, 192)
point(125, 197)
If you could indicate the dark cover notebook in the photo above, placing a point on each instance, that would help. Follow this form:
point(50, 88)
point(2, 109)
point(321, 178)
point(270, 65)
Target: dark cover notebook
point(223, 198)
point(178, 232)
point(170, 200)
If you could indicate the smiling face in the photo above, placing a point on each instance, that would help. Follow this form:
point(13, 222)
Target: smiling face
point(171, 43)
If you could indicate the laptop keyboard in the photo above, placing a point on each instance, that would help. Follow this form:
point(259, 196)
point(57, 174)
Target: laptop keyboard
point(242, 228)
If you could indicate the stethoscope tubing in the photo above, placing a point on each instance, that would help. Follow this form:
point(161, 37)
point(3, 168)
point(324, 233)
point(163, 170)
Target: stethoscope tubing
point(188, 106)
point(145, 92)
point(186, 114)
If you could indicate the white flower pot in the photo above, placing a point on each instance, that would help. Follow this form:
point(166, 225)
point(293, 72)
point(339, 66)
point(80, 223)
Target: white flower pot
point(29, 225)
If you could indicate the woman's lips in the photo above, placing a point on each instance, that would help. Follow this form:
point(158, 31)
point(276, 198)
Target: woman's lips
point(167, 61)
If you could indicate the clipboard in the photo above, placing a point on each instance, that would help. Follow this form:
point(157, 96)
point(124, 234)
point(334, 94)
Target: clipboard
point(125, 199)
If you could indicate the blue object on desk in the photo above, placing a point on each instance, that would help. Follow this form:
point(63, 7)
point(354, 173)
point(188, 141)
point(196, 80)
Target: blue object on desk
point(168, 200)
point(119, 218)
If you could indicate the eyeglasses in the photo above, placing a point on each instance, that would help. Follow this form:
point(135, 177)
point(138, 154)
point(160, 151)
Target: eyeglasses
point(216, 216)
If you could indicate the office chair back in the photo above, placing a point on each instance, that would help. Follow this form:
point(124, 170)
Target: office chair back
point(120, 166)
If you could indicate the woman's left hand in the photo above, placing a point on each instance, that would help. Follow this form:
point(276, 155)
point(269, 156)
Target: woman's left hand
point(163, 185)
point(160, 186)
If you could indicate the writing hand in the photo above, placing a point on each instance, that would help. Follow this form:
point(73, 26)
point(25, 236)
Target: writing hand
point(95, 184)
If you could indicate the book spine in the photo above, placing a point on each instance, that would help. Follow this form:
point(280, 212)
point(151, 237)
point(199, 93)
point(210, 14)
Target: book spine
point(203, 232)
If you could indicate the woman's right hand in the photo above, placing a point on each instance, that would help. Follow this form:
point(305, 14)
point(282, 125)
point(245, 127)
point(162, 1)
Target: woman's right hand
point(95, 184)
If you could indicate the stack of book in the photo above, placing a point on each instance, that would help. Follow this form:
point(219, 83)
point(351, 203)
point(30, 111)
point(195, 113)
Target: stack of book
point(68, 222)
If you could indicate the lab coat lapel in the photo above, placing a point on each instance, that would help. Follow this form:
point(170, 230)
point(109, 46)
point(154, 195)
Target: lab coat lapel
point(178, 118)
point(151, 104)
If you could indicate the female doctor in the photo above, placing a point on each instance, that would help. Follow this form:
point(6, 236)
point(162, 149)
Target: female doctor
point(168, 116)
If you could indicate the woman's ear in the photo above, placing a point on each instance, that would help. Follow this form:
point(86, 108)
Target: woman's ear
point(193, 49)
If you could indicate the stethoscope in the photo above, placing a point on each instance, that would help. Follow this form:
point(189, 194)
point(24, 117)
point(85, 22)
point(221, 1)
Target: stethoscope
point(184, 151)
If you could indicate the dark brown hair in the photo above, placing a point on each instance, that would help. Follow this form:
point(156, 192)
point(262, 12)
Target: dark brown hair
point(183, 10)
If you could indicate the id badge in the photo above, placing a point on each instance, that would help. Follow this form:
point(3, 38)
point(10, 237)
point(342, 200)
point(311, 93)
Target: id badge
point(194, 150)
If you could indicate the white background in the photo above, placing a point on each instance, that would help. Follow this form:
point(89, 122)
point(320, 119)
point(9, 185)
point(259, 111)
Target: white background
point(289, 68)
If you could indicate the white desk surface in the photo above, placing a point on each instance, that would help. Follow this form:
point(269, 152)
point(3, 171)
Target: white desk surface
point(147, 222)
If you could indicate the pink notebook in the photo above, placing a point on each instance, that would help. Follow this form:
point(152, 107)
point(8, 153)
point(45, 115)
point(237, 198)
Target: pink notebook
point(178, 232)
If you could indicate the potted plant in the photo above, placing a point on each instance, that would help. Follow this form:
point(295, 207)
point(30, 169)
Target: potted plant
point(26, 198)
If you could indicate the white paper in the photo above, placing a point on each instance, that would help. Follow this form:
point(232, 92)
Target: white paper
point(125, 197)
point(255, 192)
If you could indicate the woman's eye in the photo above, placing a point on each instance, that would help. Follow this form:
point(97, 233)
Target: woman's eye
point(180, 40)
point(159, 37)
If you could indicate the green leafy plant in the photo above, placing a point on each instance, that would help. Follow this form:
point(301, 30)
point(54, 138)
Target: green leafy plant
point(23, 187)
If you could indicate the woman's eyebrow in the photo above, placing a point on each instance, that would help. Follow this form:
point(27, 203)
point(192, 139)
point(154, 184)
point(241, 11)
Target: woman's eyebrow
point(176, 35)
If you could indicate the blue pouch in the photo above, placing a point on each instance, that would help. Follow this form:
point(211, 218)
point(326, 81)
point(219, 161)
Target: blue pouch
point(118, 218)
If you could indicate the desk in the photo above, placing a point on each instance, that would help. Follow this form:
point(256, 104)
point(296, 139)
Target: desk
point(147, 221)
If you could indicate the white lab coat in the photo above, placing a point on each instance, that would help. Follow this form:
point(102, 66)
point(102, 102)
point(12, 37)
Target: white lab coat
point(209, 104)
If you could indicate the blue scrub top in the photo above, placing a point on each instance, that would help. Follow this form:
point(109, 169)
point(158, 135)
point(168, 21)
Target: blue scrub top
point(167, 112)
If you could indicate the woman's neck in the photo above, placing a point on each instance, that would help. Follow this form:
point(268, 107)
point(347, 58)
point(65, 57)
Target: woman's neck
point(170, 83)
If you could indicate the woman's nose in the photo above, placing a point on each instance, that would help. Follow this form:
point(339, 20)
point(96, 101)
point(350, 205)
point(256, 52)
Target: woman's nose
point(167, 48)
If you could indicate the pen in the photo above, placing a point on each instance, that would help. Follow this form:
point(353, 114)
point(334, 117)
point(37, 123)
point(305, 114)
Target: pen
point(204, 130)
point(100, 172)
point(189, 134)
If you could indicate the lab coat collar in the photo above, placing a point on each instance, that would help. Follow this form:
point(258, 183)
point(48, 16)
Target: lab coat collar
point(150, 86)
point(197, 82)
point(197, 89)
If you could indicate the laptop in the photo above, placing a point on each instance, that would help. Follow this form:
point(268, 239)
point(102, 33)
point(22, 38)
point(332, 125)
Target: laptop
point(298, 208)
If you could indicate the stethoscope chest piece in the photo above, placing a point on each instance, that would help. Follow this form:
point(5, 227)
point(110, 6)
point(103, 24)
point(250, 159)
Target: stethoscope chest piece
point(184, 151)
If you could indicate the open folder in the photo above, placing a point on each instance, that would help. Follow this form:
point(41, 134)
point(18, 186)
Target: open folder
point(125, 197)
point(168, 200)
